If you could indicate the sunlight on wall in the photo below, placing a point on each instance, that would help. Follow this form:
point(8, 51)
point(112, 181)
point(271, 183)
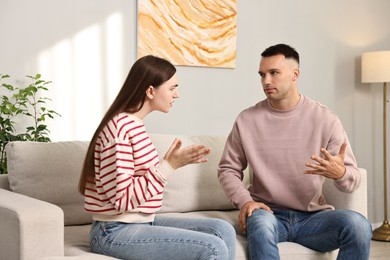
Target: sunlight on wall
point(114, 53)
point(56, 64)
point(86, 73)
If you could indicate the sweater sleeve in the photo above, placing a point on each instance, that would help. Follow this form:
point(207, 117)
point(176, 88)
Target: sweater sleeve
point(127, 184)
point(351, 179)
point(230, 170)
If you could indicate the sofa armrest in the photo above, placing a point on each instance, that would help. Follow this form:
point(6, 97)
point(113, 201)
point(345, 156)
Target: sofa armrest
point(356, 200)
point(4, 183)
point(30, 228)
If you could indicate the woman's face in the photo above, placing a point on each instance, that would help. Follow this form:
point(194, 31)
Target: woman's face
point(165, 95)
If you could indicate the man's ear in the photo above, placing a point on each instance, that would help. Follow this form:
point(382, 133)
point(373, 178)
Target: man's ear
point(150, 92)
point(296, 74)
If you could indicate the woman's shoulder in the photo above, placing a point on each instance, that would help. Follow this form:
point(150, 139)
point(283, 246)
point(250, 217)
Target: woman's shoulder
point(122, 127)
point(127, 118)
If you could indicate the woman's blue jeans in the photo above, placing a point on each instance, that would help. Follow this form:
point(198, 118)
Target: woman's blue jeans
point(165, 238)
point(322, 231)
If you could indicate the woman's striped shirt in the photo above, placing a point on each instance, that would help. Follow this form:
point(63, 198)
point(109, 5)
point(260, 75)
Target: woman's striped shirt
point(129, 178)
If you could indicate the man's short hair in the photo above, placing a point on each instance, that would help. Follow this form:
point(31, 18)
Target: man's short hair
point(284, 49)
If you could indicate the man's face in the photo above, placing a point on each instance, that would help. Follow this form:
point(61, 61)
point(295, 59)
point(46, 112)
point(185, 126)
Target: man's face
point(278, 77)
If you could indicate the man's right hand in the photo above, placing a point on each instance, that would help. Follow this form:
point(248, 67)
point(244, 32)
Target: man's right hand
point(247, 210)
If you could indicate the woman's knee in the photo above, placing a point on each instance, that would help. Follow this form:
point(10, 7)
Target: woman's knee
point(226, 233)
point(223, 228)
point(216, 249)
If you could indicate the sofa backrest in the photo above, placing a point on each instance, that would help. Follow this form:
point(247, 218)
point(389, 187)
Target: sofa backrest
point(51, 171)
point(356, 201)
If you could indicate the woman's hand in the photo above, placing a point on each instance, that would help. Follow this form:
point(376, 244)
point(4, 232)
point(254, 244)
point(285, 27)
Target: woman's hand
point(178, 157)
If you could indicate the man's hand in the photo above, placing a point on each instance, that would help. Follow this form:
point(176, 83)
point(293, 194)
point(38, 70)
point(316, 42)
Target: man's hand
point(330, 166)
point(247, 210)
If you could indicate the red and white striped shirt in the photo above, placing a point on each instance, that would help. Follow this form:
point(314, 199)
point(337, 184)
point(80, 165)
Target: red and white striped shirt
point(129, 177)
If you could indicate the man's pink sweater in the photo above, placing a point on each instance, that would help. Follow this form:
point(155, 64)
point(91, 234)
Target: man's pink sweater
point(276, 145)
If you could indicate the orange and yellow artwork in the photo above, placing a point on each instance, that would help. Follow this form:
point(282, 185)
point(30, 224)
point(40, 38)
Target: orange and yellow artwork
point(190, 32)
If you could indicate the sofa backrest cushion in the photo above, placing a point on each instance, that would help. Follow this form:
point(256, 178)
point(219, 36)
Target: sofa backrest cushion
point(49, 172)
point(194, 187)
point(356, 200)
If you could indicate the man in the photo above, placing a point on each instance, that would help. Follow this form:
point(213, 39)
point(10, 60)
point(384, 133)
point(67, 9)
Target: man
point(292, 144)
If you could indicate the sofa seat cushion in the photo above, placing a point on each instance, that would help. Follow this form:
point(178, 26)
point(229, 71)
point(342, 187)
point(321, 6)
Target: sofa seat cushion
point(76, 239)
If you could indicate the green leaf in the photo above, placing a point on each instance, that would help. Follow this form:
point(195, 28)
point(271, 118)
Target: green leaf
point(23, 105)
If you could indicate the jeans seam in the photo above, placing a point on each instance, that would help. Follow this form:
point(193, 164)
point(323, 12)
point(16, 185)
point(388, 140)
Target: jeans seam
point(313, 235)
point(146, 241)
point(208, 231)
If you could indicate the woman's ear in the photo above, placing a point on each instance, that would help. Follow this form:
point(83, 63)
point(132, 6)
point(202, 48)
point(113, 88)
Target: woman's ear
point(150, 92)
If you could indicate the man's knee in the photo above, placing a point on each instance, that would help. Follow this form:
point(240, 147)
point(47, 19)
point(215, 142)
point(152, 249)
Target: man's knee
point(358, 226)
point(262, 221)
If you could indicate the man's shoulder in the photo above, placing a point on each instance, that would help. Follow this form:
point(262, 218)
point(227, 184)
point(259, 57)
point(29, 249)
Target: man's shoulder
point(258, 107)
point(317, 106)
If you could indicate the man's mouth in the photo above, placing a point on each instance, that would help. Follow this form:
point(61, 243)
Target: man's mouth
point(269, 90)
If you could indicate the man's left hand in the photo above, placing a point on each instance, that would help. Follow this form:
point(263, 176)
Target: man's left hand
point(330, 166)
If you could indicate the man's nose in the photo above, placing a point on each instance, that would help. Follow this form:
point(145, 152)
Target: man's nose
point(266, 80)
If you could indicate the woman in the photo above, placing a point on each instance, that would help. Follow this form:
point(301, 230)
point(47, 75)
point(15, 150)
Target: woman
point(123, 179)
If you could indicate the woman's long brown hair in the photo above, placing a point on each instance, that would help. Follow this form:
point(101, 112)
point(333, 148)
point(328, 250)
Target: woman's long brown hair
point(145, 72)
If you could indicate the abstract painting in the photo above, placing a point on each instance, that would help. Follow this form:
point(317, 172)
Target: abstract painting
point(190, 32)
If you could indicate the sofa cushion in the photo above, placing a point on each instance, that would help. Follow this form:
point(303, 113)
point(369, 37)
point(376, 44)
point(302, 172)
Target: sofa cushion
point(49, 172)
point(194, 187)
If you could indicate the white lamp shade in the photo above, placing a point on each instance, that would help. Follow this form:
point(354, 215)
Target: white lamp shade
point(376, 67)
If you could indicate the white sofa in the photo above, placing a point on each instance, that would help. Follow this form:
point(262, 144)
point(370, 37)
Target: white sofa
point(42, 216)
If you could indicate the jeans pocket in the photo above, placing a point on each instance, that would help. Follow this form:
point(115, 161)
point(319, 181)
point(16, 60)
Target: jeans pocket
point(95, 246)
point(107, 228)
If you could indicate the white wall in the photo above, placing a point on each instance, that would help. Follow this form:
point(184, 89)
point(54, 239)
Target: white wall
point(87, 47)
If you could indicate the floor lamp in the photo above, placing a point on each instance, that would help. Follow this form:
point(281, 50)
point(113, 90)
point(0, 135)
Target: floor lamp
point(376, 69)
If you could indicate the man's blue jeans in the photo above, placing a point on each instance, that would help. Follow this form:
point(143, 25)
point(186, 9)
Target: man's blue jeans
point(322, 231)
point(165, 238)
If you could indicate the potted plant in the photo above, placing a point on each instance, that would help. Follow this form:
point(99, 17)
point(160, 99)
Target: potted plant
point(26, 104)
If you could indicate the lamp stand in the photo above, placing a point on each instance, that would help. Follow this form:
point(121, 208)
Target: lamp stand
point(383, 232)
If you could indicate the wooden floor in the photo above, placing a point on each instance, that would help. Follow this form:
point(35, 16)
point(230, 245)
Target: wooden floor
point(380, 250)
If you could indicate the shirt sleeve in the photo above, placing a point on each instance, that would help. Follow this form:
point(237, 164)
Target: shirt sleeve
point(351, 179)
point(126, 188)
point(230, 170)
